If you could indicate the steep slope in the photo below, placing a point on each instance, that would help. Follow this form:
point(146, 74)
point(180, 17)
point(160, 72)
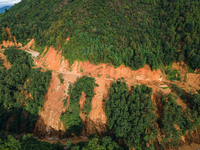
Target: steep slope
point(9, 43)
point(110, 37)
point(127, 32)
point(104, 75)
point(49, 123)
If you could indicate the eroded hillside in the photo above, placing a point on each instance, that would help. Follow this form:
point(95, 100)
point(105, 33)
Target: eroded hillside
point(104, 75)
point(49, 123)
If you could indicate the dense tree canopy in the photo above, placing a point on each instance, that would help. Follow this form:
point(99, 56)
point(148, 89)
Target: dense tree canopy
point(127, 32)
point(131, 116)
point(175, 121)
point(71, 118)
point(1, 64)
point(22, 91)
point(96, 143)
point(10, 142)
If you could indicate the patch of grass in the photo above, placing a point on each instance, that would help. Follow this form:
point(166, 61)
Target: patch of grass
point(190, 70)
point(99, 75)
point(60, 78)
point(71, 118)
point(1, 63)
point(100, 67)
point(185, 77)
point(81, 70)
point(109, 65)
point(164, 87)
point(45, 52)
point(172, 74)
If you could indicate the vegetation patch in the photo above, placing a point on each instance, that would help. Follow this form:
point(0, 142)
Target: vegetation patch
point(172, 74)
point(60, 77)
point(164, 87)
point(71, 118)
point(1, 63)
point(99, 75)
point(45, 52)
point(29, 142)
point(10, 142)
point(22, 91)
point(131, 116)
point(126, 32)
point(95, 142)
point(174, 122)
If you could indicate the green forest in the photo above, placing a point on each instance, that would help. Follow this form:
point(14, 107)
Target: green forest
point(10, 142)
point(130, 111)
point(95, 142)
point(173, 118)
point(71, 118)
point(127, 32)
point(22, 90)
point(131, 116)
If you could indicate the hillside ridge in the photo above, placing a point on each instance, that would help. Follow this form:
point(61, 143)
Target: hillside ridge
point(125, 70)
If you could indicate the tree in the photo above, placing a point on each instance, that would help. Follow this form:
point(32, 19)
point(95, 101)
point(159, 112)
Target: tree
point(10, 143)
point(4, 34)
point(133, 45)
point(178, 37)
point(91, 56)
point(130, 115)
point(187, 39)
point(16, 103)
point(71, 118)
point(164, 25)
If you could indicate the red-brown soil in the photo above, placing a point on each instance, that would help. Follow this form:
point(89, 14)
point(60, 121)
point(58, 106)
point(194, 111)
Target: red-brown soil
point(6, 63)
point(30, 45)
point(10, 43)
point(53, 106)
point(82, 100)
point(191, 79)
point(180, 46)
point(67, 39)
point(104, 74)
point(193, 146)
point(7, 44)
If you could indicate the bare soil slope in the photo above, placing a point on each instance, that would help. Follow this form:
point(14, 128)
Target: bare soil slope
point(10, 43)
point(104, 75)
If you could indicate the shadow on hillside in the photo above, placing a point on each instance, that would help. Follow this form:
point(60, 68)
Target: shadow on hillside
point(42, 130)
point(90, 127)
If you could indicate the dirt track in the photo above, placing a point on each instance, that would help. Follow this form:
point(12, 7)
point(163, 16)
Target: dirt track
point(33, 53)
